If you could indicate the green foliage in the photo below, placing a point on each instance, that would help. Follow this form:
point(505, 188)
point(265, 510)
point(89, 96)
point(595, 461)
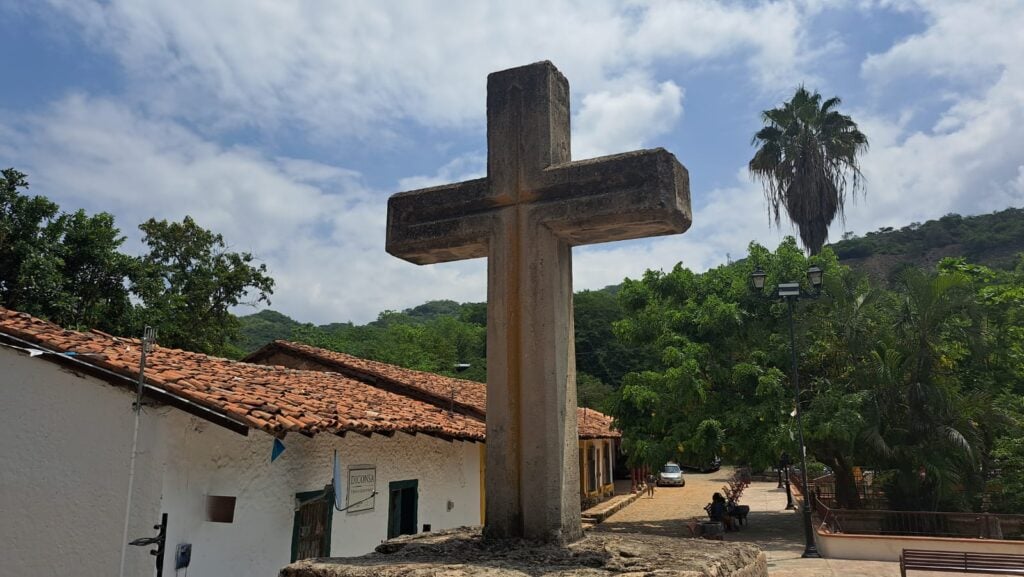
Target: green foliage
point(919, 381)
point(592, 393)
point(188, 282)
point(713, 383)
point(598, 352)
point(806, 159)
point(437, 335)
point(65, 267)
point(68, 268)
point(260, 328)
point(432, 337)
point(1007, 484)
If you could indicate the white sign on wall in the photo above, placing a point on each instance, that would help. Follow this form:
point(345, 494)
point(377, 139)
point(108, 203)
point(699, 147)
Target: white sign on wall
point(362, 483)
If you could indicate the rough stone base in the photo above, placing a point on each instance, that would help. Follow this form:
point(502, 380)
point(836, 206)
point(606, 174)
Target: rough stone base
point(462, 553)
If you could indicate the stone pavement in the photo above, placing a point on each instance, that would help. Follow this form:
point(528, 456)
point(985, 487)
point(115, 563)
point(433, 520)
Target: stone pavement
point(777, 531)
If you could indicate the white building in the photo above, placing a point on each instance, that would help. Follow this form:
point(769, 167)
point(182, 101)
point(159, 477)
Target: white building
point(203, 458)
point(598, 440)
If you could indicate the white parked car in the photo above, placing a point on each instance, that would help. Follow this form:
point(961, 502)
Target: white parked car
point(671, 475)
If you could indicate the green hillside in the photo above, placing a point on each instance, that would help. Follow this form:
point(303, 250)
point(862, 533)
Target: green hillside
point(989, 239)
point(263, 327)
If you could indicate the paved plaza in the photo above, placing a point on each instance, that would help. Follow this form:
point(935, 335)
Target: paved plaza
point(777, 531)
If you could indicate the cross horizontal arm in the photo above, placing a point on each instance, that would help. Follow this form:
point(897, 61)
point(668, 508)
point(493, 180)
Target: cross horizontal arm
point(440, 224)
point(624, 196)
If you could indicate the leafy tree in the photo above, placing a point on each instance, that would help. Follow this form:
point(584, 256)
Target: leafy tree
point(592, 393)
point(807, 159)
point(920, 383)
point(90, 273)
point(188, 283)
point(437, 344)
point(28, 230)
point(1006, 483)
point(598, 352)
point(63, 267)
point(716, 383)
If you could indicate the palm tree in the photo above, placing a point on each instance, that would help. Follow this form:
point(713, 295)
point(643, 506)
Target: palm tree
point(807, 160)
point(923, 424)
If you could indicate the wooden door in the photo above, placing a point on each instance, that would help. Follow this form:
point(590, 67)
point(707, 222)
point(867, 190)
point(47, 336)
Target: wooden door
point(311, 533)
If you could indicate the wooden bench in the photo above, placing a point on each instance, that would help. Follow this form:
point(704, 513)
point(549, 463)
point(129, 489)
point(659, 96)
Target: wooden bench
point(961, 562)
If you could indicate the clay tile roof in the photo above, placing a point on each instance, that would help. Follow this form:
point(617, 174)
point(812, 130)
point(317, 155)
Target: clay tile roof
point(469, 396)
point(595, 424)
point(272, 399)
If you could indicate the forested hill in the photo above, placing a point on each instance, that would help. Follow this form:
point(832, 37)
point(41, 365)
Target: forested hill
point(989, 239)
point(437, 335)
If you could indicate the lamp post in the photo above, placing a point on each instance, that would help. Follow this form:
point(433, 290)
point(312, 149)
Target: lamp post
point(790, 292)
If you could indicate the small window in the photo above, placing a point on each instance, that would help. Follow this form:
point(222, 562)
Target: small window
point(220, 509)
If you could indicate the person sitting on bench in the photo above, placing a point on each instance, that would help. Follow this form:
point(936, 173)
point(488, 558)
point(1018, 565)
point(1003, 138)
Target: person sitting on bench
point(719, 512)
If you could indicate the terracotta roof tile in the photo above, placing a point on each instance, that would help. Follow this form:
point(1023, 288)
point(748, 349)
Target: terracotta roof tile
point(470, 396)
point(263, 397)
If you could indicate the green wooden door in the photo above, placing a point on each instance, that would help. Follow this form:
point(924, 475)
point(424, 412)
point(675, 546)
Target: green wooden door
point(402, 508)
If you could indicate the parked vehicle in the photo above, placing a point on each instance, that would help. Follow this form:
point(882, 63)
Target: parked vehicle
point(671, 475)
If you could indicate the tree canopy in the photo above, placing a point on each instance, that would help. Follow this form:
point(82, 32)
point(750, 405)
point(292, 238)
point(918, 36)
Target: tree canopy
point(920, 382)
point(69, 268)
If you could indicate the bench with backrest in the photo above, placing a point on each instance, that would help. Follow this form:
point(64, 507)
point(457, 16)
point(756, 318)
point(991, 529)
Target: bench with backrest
point(961, 562)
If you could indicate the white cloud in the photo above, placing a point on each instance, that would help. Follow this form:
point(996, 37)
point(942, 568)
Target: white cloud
point(773, 36)
point(968, 159)
point(626, 119)
point(344, 68)
point(465, 167)
point(963, 40)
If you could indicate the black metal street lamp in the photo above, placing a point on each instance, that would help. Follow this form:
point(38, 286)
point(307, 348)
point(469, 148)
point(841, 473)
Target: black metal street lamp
point(790, 292)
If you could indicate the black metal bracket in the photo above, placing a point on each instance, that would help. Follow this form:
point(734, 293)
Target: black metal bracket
point(160, 541)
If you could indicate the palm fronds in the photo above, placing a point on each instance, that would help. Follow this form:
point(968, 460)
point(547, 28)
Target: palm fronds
point(807, 160)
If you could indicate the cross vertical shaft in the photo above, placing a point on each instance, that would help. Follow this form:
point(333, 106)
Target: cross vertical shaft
point(532, 486)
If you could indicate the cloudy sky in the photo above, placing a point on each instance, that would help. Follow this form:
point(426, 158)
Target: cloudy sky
point(286, 125)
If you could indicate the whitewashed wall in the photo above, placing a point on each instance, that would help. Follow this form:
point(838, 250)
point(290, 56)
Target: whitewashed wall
point(64, 447)
point(205, 459)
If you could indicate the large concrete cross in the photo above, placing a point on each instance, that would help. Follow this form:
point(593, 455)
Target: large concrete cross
point(533, 206)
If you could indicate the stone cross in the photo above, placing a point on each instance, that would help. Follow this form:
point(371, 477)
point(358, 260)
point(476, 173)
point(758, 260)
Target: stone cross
point(524, 216)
